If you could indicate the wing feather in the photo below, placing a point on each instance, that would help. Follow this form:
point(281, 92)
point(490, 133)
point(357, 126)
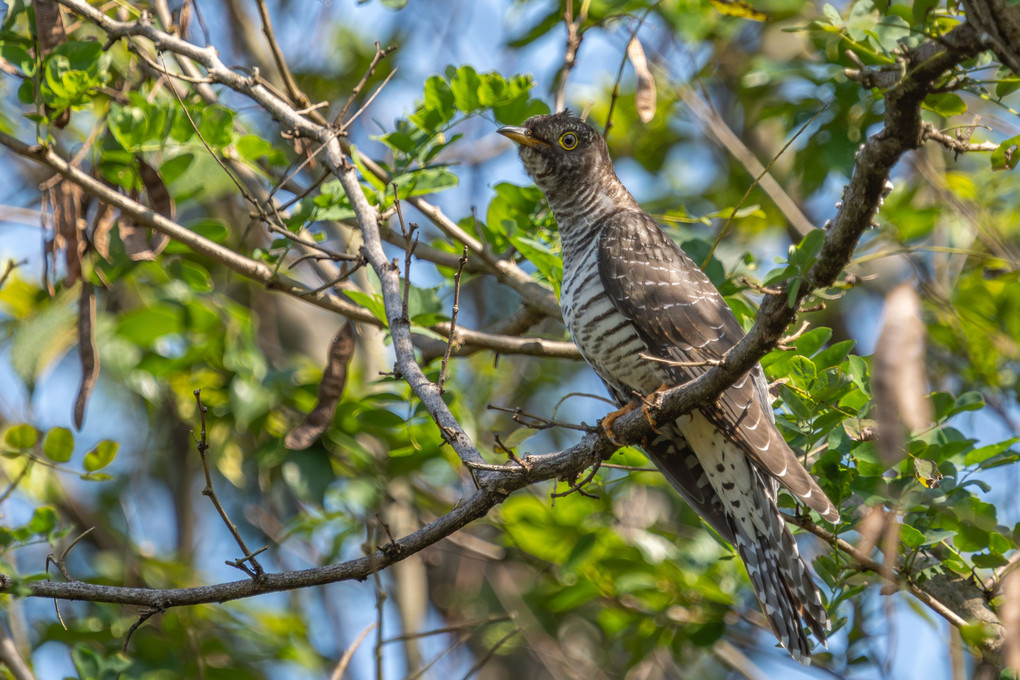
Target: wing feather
point(683, 318)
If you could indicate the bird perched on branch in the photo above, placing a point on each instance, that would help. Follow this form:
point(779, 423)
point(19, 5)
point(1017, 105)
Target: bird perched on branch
point(644, 316)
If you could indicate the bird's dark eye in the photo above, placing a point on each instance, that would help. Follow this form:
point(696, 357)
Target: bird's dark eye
point(568, 140)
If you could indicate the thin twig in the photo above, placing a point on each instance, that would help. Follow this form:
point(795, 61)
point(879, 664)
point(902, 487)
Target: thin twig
point(578, 487)
point(371, 98)
point(17, 480)
point(954, 144)
point(489, 654)
point(425, 669)
point(537, 422)
point(793, 213)
point(143, 616)
point(240, 187)
point(380, 54)
point(380, 599)
point(574, 37)
point(410, 243)
point(619, 72)
point(202, 444)
point(295, 93)
point(453, 319)
point(684, 364)
point(11, 658)
point(345, 660)
point(474, 623)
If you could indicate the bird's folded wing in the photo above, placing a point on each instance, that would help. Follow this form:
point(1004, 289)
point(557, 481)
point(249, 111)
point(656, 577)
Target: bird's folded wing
point(683, 319)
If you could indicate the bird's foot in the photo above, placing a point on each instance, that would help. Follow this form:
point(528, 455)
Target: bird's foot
point(607, 422)
point(653, 402)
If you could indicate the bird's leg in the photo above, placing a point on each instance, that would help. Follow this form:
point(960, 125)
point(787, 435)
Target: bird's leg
point(607, 422)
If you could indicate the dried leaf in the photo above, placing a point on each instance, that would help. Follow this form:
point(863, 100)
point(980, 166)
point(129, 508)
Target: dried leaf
point(890, 555)
point(871, 529)
point(159, 197)
point(49, 25)
point(68, 208)
point(49, 244)
point(86, 350)
point(137, 244)
point(102, 224)
point(927, 472)
point(738, 8)
point(644, 95)
point(331, 388)
point(1009, 614)
point(898, 378)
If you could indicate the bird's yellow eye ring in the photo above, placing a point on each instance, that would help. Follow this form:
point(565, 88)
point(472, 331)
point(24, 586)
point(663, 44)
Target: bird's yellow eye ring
point(568, 140)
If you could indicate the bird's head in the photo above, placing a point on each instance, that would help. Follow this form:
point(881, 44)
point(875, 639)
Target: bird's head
point(559, 150)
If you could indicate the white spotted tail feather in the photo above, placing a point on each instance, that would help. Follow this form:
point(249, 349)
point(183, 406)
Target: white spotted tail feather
point(779, 576)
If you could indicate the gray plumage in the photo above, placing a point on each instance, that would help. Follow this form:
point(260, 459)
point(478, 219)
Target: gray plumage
point(629, 290)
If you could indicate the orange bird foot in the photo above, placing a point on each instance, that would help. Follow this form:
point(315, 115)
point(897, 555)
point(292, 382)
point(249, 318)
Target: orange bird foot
point(607, 422)
point(653, 401)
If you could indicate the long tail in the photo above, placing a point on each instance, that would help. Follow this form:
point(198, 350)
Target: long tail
point(782, 583)
point(747, 494)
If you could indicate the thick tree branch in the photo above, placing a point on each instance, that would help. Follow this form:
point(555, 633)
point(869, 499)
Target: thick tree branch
point(565, 464)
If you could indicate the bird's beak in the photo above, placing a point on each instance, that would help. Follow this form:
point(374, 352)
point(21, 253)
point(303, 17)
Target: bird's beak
point(522, 136)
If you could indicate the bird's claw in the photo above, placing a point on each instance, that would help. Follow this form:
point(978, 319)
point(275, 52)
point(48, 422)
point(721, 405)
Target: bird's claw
point(607, 422)
point(653, 402)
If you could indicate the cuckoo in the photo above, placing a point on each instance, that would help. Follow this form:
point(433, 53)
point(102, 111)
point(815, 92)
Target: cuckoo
point(644, 315)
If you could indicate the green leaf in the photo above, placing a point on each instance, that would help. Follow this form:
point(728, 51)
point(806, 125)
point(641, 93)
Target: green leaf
point(128, 125)
point(253, 149)
point(804, 253)
point(910, 536)
point(21, 437)
point(813, 340)
point(19, 57)
point(833, 15)
point(465, 85)
point(978, 456)
point(173, 168)
point(147, 325)
point(217, 126)
point(548, 263)
point(945, 104)
point(858, 368)
point(1007, 155)
point(58, 445)
point(970, 538)
point(44, 520)
point(968, 401)
point(989, 561)
point(834, 355)
point(101, 456)
point(373, 303)
point(439, 101)
point(423, 182)
point(802, 371)
point(1006, 87)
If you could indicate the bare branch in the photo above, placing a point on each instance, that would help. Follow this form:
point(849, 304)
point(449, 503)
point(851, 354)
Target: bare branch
point(202, 444)
point(453, 318)
point(574, 37)
point(11, 658)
